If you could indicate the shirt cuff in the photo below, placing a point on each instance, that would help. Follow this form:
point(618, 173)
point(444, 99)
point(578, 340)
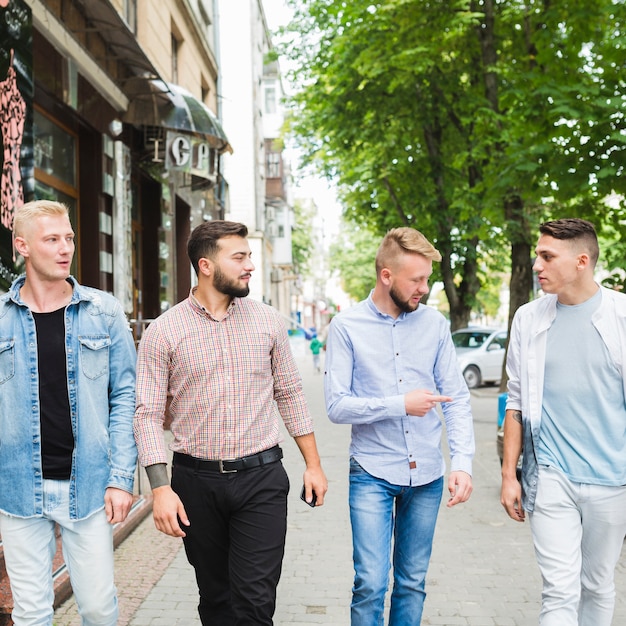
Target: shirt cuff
point(461, 464)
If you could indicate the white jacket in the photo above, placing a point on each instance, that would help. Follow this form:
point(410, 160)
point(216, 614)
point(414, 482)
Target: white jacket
point(525, 366)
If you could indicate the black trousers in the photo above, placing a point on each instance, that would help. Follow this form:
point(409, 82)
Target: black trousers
point(236, 540)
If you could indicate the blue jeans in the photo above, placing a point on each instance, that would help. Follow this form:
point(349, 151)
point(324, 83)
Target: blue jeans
point(379, 510)
point(30, 545)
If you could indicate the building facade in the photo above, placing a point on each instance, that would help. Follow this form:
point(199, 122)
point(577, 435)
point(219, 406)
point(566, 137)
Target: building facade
point(111, 107)
point(252, 114)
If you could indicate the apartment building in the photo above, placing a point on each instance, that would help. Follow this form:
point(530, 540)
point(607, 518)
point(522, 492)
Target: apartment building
point(251, 110)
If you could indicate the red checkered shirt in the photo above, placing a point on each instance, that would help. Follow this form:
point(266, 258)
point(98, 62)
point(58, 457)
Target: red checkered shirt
point(230, 381)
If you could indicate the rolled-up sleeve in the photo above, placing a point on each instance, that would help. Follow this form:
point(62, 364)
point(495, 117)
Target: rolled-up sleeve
point(288, 390)
point(122, 404)
point(152, 385)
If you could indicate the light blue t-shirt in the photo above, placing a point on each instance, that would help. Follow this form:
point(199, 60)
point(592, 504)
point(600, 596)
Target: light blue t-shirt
point(583, 421)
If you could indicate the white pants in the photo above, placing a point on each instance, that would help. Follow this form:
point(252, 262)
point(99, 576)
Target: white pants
point(578, 532)
point(29, 547)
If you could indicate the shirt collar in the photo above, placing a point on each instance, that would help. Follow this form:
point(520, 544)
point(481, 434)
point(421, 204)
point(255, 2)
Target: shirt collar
point(371, 304)
point(196, 304)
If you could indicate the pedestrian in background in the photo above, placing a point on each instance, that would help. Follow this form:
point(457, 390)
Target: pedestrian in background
point(316, 346)
point(566, 407)
point(226, 361)
point(389, 363)
point(67, 397)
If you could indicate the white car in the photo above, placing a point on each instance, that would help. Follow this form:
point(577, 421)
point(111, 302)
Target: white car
point(480, 353)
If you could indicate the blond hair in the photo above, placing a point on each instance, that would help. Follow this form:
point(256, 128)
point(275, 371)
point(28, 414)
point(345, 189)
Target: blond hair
point(404, 240)
point(30, 211)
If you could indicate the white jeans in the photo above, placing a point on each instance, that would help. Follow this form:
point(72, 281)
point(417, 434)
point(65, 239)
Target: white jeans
point(29, 547)
point(578, 531)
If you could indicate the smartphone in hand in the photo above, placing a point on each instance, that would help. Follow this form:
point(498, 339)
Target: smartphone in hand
point(303, 498)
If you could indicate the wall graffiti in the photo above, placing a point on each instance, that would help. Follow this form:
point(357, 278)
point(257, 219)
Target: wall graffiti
point(12, 118)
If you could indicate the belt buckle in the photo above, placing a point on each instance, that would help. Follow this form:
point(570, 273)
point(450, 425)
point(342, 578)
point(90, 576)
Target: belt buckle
point(225, 471)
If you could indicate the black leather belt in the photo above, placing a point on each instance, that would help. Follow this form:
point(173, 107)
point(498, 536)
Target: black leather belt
point(233, 465)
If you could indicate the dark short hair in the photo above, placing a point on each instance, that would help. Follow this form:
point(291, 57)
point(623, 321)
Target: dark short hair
point(574, 229)
point(204, 239)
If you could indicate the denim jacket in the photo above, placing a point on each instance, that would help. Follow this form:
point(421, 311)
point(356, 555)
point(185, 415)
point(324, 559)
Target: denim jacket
point(101, 356)
point(526, 362)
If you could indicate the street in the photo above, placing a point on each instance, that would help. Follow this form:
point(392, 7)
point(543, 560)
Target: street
point(482, 572)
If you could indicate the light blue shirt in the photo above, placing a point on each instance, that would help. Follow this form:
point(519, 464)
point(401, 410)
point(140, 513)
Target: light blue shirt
point(100, 357)
point(583, 421)
point(372, 360)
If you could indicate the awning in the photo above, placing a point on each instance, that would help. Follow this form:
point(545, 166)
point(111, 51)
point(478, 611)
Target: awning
point(123, 46)
point(157, 103)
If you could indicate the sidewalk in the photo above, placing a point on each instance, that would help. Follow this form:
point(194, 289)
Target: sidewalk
point(482, 572)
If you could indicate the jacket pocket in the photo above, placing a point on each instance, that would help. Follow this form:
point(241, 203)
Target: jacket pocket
point(94, 355)
point(7, 359)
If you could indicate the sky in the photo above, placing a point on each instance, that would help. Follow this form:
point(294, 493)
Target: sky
point(276, 12)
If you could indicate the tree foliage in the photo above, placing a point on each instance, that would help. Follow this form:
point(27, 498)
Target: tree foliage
point(353, 256)
point(472, 120)
point(302, 236)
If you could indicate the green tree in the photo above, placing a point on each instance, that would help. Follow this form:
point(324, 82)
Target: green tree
point(301, 236)
point(470, 120)
point(352, 256)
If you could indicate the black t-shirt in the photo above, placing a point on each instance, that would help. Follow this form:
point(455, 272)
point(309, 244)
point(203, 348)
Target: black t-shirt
point(57, 439)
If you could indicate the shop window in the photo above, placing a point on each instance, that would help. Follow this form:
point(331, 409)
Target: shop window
point(55, 152)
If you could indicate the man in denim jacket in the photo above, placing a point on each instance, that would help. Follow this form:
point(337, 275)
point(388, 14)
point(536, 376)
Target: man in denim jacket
point(67, 452)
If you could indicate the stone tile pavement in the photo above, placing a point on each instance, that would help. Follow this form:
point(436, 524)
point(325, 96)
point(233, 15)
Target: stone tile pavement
point(482, 572)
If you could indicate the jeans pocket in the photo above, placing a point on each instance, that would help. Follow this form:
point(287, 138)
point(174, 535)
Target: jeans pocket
point(355, 468)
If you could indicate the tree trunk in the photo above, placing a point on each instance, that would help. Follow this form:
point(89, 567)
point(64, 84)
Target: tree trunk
point(521, 285)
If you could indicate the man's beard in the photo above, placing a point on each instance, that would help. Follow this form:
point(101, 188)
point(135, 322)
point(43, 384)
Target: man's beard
point(228, 287)
point(404, 305)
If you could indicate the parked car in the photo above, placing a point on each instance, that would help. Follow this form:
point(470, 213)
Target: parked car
point(500, 433)
point(480, 353)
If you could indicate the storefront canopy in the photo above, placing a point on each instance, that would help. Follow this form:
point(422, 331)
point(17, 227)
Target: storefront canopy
point(157, 103)
point(122, 42)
